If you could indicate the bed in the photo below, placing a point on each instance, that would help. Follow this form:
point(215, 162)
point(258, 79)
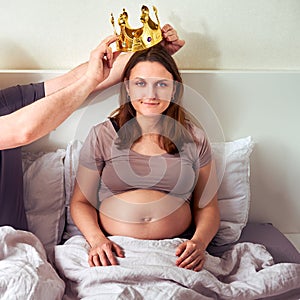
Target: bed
point(247, 259)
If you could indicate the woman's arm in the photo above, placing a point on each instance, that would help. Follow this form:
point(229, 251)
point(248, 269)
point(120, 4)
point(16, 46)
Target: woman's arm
point(85, 216)
point(207, 220)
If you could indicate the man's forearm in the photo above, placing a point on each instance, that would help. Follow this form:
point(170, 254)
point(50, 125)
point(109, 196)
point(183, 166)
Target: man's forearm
point(55, 84)
point(36, 120)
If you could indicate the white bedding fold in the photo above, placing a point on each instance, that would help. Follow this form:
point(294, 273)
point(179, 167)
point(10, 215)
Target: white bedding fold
point(24, 271)
point(148, 271)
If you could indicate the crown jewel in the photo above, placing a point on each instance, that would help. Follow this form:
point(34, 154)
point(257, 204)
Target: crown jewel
point(131, 39)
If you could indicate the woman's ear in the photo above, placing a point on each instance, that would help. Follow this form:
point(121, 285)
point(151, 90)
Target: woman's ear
point(174, 89)
point(126, 84)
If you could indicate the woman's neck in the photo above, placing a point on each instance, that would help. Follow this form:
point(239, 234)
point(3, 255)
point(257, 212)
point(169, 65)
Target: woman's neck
point(150, 125)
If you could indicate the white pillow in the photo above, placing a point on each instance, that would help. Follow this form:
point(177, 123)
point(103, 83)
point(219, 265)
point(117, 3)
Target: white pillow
point(71, 165)
point(233, 166)
point(44, 196)
point(234, 191)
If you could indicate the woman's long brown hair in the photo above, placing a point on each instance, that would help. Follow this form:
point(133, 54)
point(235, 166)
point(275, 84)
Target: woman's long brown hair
point(175, 126)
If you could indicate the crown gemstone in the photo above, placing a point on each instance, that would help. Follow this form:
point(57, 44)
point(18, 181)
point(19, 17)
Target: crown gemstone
point(149, 39)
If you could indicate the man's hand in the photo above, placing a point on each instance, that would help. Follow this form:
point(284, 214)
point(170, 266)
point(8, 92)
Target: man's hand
point(171, 40)
point(101, 60)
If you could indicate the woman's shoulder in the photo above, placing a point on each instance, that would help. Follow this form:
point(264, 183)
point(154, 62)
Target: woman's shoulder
point(201, 147)
point(105, 127)
point(104, 124)
point(102, 131)
point(101, 137)
point(197, 131)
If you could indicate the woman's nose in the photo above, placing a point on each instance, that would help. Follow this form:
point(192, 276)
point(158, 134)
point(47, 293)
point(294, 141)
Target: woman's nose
point(151, 91)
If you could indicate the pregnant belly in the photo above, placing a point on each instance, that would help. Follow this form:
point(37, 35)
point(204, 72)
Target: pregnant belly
point(145, 214)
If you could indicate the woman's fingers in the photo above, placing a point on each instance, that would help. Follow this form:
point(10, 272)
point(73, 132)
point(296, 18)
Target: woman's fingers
point(193, 262)
point(118, 250)
point(104, 254)
point(191, 255)
point(102, 259)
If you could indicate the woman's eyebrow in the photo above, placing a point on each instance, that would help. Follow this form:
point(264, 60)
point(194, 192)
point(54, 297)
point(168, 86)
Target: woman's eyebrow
point(140, 78)
point(156, 79)
point(163, 79)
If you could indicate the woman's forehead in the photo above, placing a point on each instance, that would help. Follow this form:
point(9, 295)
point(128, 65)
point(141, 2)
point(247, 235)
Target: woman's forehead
point(148, 69)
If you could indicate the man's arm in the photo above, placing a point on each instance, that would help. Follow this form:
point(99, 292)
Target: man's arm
point(57, 83)
point(39, 118)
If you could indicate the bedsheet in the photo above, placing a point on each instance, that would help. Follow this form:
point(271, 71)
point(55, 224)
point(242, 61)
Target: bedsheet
point(281, 249)
point(148, 271)
point(25, 272)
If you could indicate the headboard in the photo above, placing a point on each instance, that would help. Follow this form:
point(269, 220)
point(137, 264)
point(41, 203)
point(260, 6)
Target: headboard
point(264, 105)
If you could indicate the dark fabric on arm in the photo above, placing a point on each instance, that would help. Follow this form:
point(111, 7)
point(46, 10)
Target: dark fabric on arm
point(16, 97)
point(12, 210)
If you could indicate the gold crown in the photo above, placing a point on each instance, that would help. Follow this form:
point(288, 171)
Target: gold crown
point(131, 39)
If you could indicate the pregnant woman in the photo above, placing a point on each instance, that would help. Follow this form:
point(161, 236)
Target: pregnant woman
point(147, 172)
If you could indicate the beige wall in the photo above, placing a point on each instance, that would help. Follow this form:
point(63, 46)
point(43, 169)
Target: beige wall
point(231, 34)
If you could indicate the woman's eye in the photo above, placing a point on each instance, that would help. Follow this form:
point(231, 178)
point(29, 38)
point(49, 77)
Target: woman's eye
point(161, 84)
point(140, 83)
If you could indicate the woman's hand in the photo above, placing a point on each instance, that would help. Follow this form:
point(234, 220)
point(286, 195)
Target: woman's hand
point(171, 40)
point(101, 60)
point(191, 255)
point(103, 253)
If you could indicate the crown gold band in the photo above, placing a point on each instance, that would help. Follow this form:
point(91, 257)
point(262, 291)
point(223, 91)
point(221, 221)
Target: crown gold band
point(131, 39)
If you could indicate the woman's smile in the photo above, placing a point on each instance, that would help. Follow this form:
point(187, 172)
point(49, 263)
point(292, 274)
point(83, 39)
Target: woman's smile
point(149, 103)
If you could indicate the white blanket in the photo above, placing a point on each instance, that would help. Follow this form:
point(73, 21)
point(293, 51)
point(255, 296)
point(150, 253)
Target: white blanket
point(24, 271)
point(148, 271)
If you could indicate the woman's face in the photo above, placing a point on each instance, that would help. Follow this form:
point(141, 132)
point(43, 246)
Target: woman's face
point(150, 88)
